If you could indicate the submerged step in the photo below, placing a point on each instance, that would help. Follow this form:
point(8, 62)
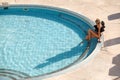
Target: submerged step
point(11, 75)
point(6, 77)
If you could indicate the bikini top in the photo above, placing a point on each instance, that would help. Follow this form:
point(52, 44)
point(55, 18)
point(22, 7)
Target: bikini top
point(101, 29)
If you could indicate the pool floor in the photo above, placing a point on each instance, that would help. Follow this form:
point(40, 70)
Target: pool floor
point(38, 45)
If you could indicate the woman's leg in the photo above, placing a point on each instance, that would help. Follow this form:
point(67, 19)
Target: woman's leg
point(91, 34)
point(88, 36)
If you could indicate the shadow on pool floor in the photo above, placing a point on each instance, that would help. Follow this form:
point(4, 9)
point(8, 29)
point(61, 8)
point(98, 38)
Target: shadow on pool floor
point(75, 51)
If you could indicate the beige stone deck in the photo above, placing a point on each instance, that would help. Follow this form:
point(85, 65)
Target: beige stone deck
point(106, 65)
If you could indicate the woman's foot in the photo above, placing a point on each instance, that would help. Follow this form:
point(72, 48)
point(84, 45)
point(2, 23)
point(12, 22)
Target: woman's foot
point(99, 41)
point(83, 41)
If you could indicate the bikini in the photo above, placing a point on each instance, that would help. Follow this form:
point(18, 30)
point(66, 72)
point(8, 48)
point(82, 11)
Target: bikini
point(101, 29)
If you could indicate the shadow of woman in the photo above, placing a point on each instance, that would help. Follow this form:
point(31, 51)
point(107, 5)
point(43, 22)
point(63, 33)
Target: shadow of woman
point(75, 51)
point(115, 70)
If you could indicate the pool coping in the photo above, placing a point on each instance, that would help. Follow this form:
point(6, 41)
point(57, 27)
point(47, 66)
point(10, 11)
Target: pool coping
point(95, 51)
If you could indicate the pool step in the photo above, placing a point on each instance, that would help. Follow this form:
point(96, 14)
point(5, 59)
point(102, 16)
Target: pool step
point(12, 75)
point(68, 18)
point(6, 77)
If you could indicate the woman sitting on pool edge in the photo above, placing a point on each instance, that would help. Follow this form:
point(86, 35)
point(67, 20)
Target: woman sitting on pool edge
point(97, 33)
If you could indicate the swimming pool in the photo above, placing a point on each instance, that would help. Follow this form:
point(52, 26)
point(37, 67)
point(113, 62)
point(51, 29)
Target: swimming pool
point(40, 40)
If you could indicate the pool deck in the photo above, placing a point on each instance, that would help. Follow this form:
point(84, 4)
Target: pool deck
point(106, 64)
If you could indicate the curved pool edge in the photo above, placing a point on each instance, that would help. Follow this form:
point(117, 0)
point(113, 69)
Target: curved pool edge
point(81, 63)
point(77, 65)
point(90, 22)
point(73, 67)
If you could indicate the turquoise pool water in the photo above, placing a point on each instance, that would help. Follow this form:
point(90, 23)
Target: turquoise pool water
point(39, 41)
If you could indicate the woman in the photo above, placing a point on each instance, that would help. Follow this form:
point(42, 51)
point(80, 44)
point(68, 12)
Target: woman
point(99, 27)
